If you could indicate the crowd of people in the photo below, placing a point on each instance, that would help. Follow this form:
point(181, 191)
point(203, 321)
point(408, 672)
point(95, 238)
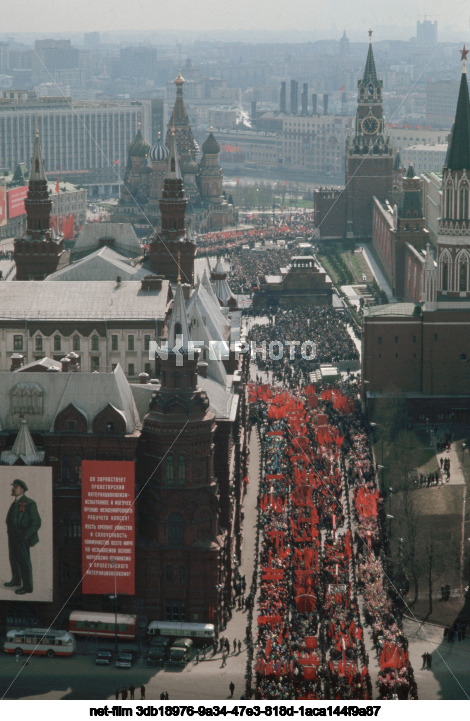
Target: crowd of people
point(321, 324)
point(317, 499)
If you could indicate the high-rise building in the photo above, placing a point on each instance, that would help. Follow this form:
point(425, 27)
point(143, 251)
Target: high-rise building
point(426, 31)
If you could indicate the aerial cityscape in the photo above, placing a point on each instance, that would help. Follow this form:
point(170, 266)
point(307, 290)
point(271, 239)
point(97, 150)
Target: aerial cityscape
point(234, 356)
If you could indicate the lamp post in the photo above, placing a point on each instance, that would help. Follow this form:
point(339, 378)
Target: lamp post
point(113, 564)
point(464, 445)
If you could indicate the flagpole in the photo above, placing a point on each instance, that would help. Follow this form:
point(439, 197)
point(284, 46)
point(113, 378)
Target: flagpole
point(58, 201)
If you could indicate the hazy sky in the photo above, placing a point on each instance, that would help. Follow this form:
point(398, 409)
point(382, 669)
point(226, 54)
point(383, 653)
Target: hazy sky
point(108, 15)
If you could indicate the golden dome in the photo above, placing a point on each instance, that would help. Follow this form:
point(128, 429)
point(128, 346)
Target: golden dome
point(179, 80)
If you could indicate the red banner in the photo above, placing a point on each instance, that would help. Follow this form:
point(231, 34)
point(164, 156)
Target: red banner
point(16, 198)
point(108, 527)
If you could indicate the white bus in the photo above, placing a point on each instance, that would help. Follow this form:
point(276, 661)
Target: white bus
point(181, 629)
point(41, 641)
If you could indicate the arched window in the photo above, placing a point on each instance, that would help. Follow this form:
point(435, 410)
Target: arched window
point(449, 200)
point(181, 470)
point(175, 529)
point(169, 472)
point(76, 342)
point(463, 275)
point(57, 342)
point(463, 202)
point(445, 275)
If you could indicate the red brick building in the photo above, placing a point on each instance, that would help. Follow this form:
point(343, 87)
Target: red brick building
point(420, 351)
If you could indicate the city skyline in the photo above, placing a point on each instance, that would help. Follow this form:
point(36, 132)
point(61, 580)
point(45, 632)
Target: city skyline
point(209, 16)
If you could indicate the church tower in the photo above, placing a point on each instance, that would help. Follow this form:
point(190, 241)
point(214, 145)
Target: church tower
point(37, 253)
point(453, 240)
point(369, 155)
point(182, 545)
point(171, 251)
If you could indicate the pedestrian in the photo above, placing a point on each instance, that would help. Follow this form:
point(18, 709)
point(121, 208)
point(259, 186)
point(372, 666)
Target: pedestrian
point(227, 645)
point(142, 692)
point(162, 696)
point(424, 656)
point(239, 646)
point(116, 693)
point(167, 698)
point(232, 688)
point(131, 691)
point(224, 659)
point(124, 694)
point(197, 656)
point(429, 660)
point(235, 646)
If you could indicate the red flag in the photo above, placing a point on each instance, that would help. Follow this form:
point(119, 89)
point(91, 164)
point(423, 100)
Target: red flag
point(341, 88)
point(57, 186)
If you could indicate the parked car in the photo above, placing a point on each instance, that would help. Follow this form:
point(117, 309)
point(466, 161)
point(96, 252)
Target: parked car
point(103, 658)
point(180, 652)
point(124, 660)
point(158, 650)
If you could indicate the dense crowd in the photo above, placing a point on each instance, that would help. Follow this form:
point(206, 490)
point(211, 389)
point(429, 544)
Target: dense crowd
point(317, 499)
point(321, 324)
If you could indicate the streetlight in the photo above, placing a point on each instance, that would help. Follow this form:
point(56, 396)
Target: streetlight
point(113, 564)
point(464, 445)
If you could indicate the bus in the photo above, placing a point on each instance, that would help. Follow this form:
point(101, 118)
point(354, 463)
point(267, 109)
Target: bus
point(181, 629)
point(103, 625)
point(41, 641)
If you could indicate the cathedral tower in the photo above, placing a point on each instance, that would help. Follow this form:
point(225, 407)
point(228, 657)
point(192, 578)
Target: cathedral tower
point(37, 253)
point(171, 251)
point(369, 157)
point(453, 241)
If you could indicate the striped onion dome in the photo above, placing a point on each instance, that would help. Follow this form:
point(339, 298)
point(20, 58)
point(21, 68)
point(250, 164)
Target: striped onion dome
point(159, 151)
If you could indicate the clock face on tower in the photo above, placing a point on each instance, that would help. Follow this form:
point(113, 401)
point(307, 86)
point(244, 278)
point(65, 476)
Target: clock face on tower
point(370, 125)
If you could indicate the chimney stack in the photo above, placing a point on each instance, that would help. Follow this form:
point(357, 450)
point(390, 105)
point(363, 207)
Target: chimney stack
point(65, 363)
point(17, 361)
point(74, 362)
point(143, 378)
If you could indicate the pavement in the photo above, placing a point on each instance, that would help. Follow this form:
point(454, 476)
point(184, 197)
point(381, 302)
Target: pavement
point(379, 276)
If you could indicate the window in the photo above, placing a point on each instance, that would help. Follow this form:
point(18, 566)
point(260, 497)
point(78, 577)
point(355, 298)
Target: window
point(435, 336)
point(396, 339)
point(146, 342)
point(39, 342)
point(168, 574)
point(130, 342)
point(379, 340)
point(113, 366)
point(148, 369)
point(130, 369)
point(181, 574)
point(64, 572)
point(57, 342)
point(114, 342)
point(463, 277)
point(169, 470)
point(95, 342)
point(71, 425)
point(414, 339)
point(65, 468)
point(76, 342)
point(17, 342)
point(463, 357)
point(77, 469)
point(175, 529)
point(174, 611)
point(94, 363)
point(181, 470)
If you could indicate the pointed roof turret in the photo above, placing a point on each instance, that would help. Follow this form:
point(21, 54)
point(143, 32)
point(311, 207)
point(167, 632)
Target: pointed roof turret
point(37, 163)
point(174, 170)
point(397, 162)
point(458, 154)
point(410, 173)
point(23, 448)
point(370, 73)
point(178, 331)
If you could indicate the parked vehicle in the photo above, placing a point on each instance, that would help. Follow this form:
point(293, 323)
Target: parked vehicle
point(180, 652)
point(181, 629)
point(103, 658)
point(103, 625)
point(158, 650)
point(124, 660)
point(41, 641)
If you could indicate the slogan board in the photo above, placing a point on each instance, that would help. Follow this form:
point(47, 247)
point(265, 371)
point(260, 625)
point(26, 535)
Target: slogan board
point(108, 527)
point(16, 198)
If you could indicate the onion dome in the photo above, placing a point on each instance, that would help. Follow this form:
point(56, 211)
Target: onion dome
point(210, 145)
point(190, 167)
point(139, 147)
point(179, 80)
point(158, 152)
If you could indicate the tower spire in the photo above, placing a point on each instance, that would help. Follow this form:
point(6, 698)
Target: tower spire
point(370, 73)
point(458, 154)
